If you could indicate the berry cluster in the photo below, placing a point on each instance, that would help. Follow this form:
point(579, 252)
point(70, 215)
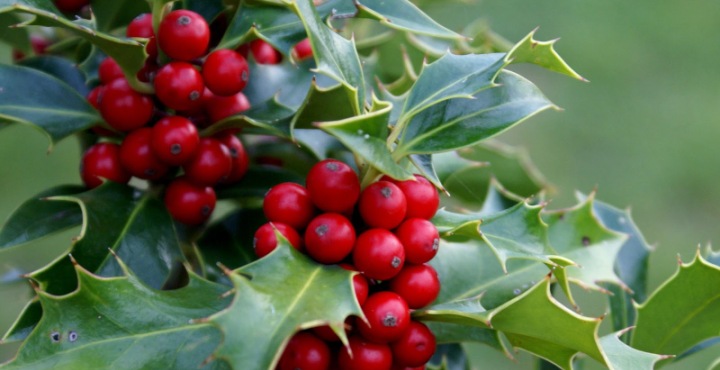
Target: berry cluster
point(384, 233)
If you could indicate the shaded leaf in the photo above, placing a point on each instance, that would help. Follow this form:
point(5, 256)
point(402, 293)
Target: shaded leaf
point(61, 68)
point(269, 117)
point(257, 181)
point(283, 292)
point(288, 83)
point(620, 356)
point(324, 105)
point(18, 38)
point(209, 9)
point(320, 144)
point(24, 324)
point(449, 357)
point(110, 15)
point(33, 97)
point(39, 217)
point(682, 312)
point(541, 53)
point(404, 16)
point(105, 320)
point(712, 256)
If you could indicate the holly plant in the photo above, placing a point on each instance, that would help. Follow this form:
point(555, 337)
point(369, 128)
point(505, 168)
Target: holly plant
point(289, 184)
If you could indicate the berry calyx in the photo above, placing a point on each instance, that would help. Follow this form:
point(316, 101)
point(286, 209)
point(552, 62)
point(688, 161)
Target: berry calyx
point(265, 240)
point(100, 161)
point(329, 238)
point(333, 186)
point(225, 72)
point(137, 157)
point(174, 140)
point(289, 203)
point(420, 239)
point(183, 35)
point(387, 317)
point(383, 205)
point(305, 351)
point(179, 86)
point(210, 163)
point(415, 347)
point(417, 284)
point(124, 108)
point(378, 254)
point(361, 354)
point(188, 203)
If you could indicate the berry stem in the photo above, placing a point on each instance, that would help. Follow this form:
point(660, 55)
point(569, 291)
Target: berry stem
point(369, 177)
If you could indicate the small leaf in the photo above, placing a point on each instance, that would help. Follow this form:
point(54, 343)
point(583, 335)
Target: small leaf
point(33, 97)
point(39, 217)
point(404, 16)
point(324, 105)
point(285, 292)
point(541, 53)
point(104, 320)
point(61, 68)
point(620, 356)
point(682, 312)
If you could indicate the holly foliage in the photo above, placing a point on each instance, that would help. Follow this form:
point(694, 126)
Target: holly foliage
point(136, 289)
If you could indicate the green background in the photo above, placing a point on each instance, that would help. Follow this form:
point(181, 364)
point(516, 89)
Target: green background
point(643, 132)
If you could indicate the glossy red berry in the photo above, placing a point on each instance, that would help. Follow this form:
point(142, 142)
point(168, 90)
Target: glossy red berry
point(264, 53)
point(221, 107)
point(179, 86)
point(141, 26)
point(109, 70)
point(188, 203)
point(333, 186)
point(329, 238)
point(305, 351)
point(184, 35)
point(417, 284)
point(422, 197)
point(383, 205)
point(225, 72)
point(387, 317)
point(124, 108)
point(240, 159)
point(289, 203)
point(70, 6)
point(415, 347)
point(102, 161)
point(378, 254)
point(210, 164)
point(174, 140)
point(302, 50)
point(95, 96)
point(265, 240)
point(420, 239)
point(363, 355)
point(360, 284)
point(137, 157)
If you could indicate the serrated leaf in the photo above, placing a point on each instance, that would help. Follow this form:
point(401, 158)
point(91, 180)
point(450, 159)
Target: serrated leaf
point(366, 136)
point(61, 68)
point(325, 104)
point(318, 143)
point(257, 181)
point(682, 312)
point(712, 256)
point(122, 323)
point(32, 97)
point(18, 38)
point(404, 16)
point(457, 123)
point(277, 25)
point(285, 292)
point(286, 82)
point(110, 15)
point(137, 228)
point(620, 356)
point(269, 117)
point(541, 53)
point(25, 322)
point(230, 240)
point(39, 217)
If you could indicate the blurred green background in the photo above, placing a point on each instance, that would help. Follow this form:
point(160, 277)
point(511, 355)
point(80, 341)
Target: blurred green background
point(643, 132)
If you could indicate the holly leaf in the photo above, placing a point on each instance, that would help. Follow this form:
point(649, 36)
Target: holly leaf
point(404, 16)
point(325, 104)
point(682, 312)
point(257, 181)
point(18, 38)
point(29, 96)
point(137, 228)
point(60, 68)
point(712, 256)
point(38, 217)
point(276, 296)
point(449, 357)
point(24, 324)
point(110, 15)
point(620, 356)
point(105, 319)
point(230, 240)
point(209, 9)
point(286, 82)
point(541, 53)
point(269, 117)
point(277, 25)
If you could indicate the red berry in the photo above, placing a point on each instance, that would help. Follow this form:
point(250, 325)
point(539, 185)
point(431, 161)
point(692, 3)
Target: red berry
point(305, 351)
point(174, 140)
point(289, 203)
point(265, 240)
point(102, 161)
point(240, 159)
point(124, 108)
point(210, 164)
point(179, 86)
point(360, 284)
point(364, 355)
point(415, 347)
point(141, 26)
point(422, 197)
point(329, 238)
point(333, 186)
point(109, 70)
point(264, 53)
point(95, 96)
point(137, 157)
point(188, 203)
point(70, 6)
point(225, 72)
point(221, 107)
point(420, 239)
point(148, 71)
point(387, 317)
point(378, 254)
point(184, 35)
point(417, 284)
point(302, 50)
point(383, 205)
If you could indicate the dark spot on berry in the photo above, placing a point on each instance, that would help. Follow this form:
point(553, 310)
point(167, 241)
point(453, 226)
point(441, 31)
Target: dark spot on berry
point(55, 336)
point(233, 152)
point(194, 95)
point(436, 244)
point(150, 172)
point(321, 230)
point(396, 261)
point(255, 243)
point(205, 210)
point(175, 149)
point(72, 336)
point(389, 320)
point(386, 192)
point(244, 76)
point(184, 20)
point(332, 166)
point(585, 241)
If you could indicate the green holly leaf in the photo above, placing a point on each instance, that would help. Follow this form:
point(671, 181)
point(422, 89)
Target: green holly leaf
point(286, 82)
point(404, 16)
point(24, 324)
point(682, 312)
point(60, 68)
point(116, 218)
point(38, 217)
point(620, 356)
point(18, 38)
point(209, 9)
point(29, 96)
point(277, 25)
point(122, 323)
point(715, 365)
point(269, 117)
point(541, 53)
point(111, 15)
point(712, 256)
point(257, 181)
point(323, 104)
point(230, 241)
point(461, 121)
point(276, 296)
point(449, 357)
